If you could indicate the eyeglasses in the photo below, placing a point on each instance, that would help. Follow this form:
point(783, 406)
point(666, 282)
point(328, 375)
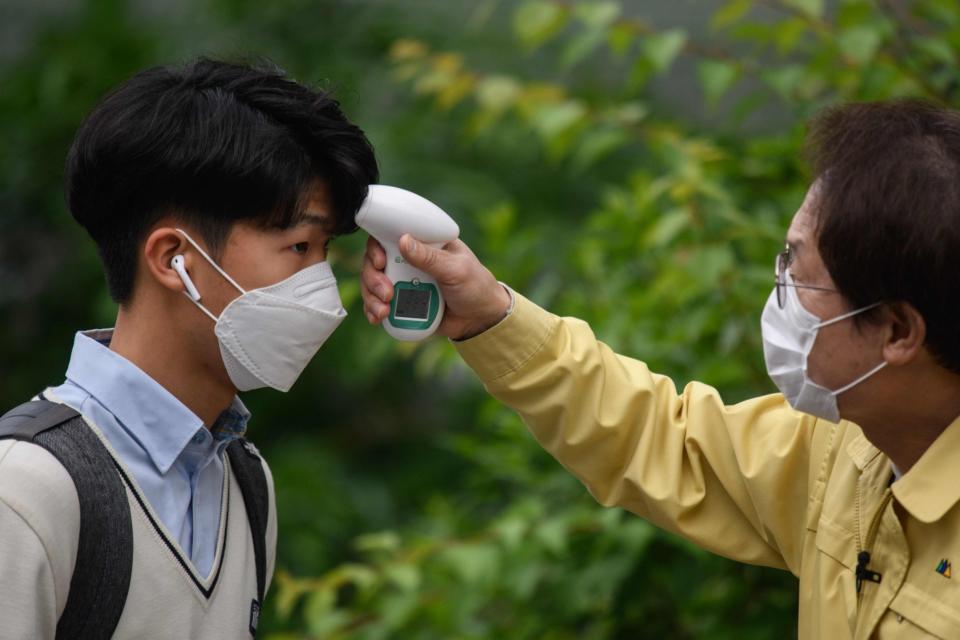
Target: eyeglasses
point(784, 259)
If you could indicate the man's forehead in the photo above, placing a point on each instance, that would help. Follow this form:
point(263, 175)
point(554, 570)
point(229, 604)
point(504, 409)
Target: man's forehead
point(802, 226)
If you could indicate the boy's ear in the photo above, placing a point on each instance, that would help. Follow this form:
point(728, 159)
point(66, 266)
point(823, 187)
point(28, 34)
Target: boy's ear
point(906, 333)
point(161, 246)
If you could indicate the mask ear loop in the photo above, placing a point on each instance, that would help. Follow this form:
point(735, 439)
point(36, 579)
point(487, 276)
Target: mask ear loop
point(203, 308)
point(860, 379)
point(844, 316)
point(849, 314)
point(215, 266)
point(210, 260)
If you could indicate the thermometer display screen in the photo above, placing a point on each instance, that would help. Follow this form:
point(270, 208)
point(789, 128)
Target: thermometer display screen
point(412, 304)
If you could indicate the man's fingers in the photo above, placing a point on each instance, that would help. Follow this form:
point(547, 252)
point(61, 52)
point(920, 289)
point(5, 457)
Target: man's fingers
point(378, 257)
point(375, 281)
point(422, 256)
point(375, 310)
point(457, 246)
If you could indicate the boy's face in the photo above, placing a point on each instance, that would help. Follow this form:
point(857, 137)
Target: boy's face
point(257, 258)
point(254, 258)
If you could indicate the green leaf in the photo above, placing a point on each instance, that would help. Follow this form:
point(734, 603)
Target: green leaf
point(581, 46)
point(640, 73)
point(620, 37)
point(859, 43)
point(474, 563)
point(597, 15)
point(662, 48)
point(405, 576)
point(320, 614)
point(785, 80)
point(288, 593)
point(377, 542)
point(667, 227)
point(813, 8)
point(946, 14)
point(715, 79)
point(596, 18)
point(395, 610)
point(361, 576)
point(552, 120)
point(787, 34)
point(629, 113)
point(511, 531)
point(497, 93)
point(538, 21)
point(597, 143)
point(553, 534)
point(937, 48)
point(730, 13)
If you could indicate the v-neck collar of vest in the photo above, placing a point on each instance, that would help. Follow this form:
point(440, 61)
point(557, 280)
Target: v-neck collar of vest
point(204, 585)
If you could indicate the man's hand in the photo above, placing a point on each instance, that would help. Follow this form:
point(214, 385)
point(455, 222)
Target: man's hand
point(475, 301)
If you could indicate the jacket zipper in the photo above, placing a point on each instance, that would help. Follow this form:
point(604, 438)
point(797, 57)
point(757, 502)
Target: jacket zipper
point(863, 556)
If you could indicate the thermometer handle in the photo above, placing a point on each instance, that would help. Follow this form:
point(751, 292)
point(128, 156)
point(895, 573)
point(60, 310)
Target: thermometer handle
point(408, 281)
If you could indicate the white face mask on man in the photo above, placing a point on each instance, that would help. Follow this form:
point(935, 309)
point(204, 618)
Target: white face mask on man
point(268, 335)
point(788, 336)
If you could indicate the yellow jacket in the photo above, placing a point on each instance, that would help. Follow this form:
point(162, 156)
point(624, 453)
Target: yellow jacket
point(757, 481)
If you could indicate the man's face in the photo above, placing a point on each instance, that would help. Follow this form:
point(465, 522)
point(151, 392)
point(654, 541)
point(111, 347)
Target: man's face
point(841, 352)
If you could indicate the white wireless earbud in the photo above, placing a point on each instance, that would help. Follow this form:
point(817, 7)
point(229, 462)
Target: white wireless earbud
point(177, 265)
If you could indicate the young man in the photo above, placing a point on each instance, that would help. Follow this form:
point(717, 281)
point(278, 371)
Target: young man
point(211, 192)
point(848, 477)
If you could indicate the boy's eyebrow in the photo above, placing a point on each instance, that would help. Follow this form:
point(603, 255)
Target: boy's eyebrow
point(314, 218)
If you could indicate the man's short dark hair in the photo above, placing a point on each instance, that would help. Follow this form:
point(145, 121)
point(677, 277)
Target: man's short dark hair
point(211, 143)
point(888, 210)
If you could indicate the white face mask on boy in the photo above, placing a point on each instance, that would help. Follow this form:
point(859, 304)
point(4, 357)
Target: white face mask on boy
point(268, 335)
point(788, 336)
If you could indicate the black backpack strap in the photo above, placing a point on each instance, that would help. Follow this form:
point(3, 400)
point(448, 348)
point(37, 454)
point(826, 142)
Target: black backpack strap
point(101, 577)
point(248, 469)
point(30, 418)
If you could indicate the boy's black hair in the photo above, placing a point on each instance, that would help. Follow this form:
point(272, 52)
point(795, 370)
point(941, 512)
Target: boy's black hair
point(211, 143)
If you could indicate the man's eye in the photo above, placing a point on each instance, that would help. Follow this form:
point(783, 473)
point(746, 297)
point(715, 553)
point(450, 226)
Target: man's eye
point(301, 247)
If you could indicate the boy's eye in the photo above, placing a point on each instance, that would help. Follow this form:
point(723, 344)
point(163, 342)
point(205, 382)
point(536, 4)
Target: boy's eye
point(301, 247)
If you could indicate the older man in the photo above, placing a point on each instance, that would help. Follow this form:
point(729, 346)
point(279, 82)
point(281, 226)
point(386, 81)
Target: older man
point(846, 477)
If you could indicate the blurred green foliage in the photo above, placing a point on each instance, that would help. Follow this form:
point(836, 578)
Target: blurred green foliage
point(634, 173)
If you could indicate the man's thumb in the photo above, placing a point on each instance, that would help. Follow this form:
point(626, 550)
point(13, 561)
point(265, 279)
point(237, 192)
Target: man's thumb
point(420, 255)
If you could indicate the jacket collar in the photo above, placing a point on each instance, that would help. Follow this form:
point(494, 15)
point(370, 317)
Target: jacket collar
point(930, 488)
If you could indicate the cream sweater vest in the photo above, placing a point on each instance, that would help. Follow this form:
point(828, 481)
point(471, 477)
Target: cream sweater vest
point(39, 525)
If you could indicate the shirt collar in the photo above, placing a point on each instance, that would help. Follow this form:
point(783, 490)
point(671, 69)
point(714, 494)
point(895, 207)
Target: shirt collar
point(232, 422)
point(153, 416)
point(930, 488)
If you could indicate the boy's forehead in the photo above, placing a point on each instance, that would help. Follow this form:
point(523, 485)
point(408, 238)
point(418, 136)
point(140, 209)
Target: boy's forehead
point(318, 210)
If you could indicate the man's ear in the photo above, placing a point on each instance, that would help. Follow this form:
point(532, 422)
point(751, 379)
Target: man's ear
point(905, 335)
point(162, 244)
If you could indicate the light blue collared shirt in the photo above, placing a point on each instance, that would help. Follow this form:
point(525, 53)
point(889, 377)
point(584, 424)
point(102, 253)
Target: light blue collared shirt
point(175, 460)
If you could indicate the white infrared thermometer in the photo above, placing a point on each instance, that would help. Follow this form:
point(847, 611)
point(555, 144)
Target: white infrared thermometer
point(416, 308)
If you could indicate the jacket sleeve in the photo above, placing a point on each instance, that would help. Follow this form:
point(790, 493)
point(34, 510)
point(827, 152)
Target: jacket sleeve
point(39, 525)
point(732, 479)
